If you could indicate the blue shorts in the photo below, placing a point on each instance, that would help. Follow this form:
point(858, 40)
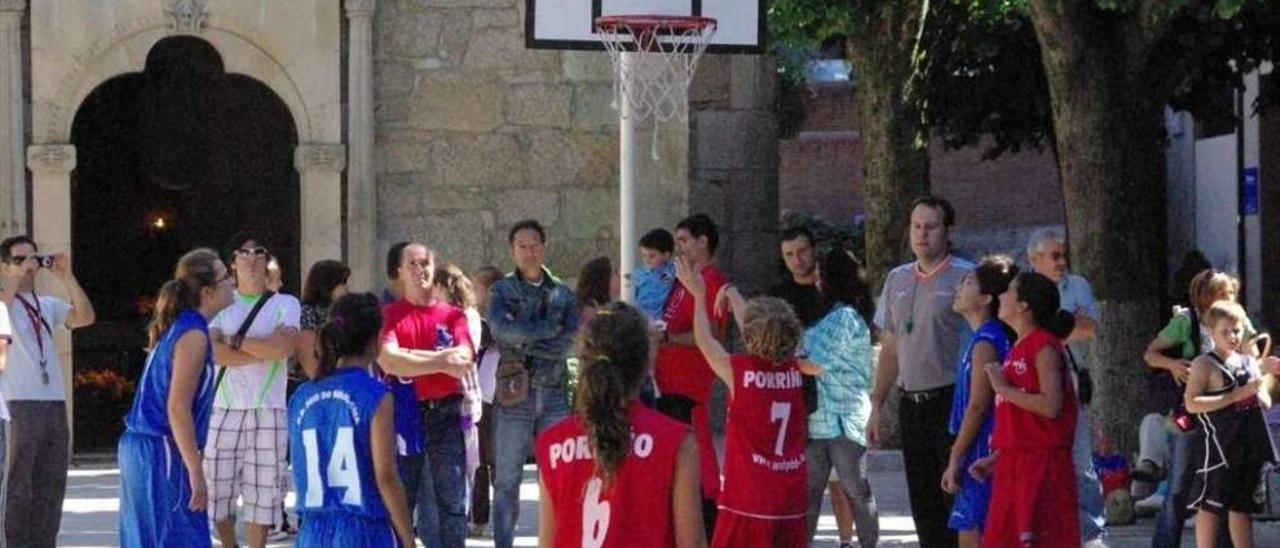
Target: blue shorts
point(344, 529)
point(969, 512)
point(154, 494)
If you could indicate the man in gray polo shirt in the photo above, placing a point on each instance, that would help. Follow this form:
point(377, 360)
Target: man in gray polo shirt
point(920, 342)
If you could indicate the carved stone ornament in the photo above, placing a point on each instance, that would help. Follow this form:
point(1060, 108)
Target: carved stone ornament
point(320, 157)
point(187, 16)
point(51, 158)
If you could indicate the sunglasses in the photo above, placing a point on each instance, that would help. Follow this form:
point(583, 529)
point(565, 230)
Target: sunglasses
point(19, 259)
point(251, 252)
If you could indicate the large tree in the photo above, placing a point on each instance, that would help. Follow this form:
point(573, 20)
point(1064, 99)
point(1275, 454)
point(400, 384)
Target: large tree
point(880, 38)
point(1089, 78)
point(1112, 66)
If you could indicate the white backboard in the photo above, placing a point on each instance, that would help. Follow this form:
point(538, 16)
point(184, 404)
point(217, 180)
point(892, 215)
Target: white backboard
point(568, 24)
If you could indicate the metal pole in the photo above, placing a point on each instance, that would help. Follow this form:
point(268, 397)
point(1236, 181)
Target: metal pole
point(626, 181)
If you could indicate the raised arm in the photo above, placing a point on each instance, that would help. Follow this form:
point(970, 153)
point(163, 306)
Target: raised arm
point(703, 335)
point(81, 313)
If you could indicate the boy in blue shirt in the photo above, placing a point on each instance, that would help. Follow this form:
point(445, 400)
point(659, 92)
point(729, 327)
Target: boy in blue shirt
point(654, 279)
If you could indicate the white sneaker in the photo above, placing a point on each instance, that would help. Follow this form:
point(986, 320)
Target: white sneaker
point(1149, 505)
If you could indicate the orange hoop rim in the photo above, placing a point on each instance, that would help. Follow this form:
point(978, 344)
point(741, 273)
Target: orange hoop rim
point(642, 23)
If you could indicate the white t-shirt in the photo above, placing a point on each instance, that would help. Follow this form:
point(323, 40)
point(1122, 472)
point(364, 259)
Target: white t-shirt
point(22, 379)
point(260, 384)
point(6, 333)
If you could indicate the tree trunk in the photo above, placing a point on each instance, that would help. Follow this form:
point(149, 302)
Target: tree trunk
point(895, 156)
point(1110, 151)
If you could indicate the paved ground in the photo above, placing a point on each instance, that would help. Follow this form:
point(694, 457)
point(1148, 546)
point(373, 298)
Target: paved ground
point(90, 513)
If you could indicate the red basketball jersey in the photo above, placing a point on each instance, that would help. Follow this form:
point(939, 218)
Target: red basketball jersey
point(765, 434)
point(1018, 428)
point(635, 510)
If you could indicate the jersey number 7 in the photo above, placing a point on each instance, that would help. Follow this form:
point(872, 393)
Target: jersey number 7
point(343, 470)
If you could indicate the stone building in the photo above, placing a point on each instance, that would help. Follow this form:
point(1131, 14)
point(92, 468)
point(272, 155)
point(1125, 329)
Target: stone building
point(133, 130)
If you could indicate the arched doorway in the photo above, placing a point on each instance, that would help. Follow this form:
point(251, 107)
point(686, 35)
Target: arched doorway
point(178, 156)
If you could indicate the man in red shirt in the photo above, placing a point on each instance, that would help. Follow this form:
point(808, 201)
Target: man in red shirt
point(427, 341)
point(684, 378)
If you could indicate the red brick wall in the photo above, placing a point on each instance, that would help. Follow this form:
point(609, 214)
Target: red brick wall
point(821, 170)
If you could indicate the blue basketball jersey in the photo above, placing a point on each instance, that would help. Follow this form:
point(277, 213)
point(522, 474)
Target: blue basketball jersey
point(330, 443)
point(150, 411)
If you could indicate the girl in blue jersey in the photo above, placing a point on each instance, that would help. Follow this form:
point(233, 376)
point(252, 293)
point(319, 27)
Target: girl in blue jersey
point(977, 299)
point(162, 485)
point(342, 439)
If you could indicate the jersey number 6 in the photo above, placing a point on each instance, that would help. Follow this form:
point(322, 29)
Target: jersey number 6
point(341, 472)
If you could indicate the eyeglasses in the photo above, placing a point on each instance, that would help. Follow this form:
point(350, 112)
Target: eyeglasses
point(251, 251)
point(19, 259)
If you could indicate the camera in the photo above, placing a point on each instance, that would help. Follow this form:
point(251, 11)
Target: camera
point(45, 261)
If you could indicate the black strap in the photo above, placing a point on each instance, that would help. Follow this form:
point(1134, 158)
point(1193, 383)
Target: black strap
point(1195, 329)
point(240, 333)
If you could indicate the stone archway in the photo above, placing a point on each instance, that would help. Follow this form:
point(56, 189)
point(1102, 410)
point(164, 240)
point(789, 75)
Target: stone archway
point(291, 46)
point(179, 156)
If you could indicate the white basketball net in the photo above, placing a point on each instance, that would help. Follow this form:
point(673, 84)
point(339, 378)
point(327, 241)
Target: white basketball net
point(655, 80)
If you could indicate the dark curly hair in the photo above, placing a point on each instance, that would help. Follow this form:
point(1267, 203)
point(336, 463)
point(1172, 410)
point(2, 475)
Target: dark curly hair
point(614, 356)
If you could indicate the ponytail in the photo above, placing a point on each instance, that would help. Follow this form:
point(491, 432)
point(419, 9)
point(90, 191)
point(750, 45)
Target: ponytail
point(604, 392)
point(1061, 323)
point(1041, 296)
point(196, 270)
point(353, 323)
point(615, 349)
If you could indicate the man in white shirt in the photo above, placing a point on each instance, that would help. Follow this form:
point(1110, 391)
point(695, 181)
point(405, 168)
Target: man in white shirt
point(245, 454)
point(32, 385)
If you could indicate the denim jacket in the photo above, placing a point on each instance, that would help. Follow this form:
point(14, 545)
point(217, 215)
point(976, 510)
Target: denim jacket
point(534, 324)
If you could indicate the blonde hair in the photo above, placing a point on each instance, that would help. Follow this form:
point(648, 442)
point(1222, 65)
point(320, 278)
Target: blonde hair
point(454, 281)
point(770, 328)
point(1206, 285)
point(1225, 310)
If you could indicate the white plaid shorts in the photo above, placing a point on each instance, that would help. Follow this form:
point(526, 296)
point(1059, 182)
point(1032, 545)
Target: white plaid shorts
point(245, 456)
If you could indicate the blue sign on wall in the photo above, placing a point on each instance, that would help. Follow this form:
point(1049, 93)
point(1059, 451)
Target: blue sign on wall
point(1249, 200)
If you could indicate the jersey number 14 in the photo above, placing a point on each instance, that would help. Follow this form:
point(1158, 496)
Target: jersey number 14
point(342, 470)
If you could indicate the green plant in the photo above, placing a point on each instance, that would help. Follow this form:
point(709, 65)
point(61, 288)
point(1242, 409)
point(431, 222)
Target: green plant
point(102, 397)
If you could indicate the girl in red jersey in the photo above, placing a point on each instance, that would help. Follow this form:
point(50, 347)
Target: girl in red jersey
point(763, 491)
point(616, 473)
point(1033, 496)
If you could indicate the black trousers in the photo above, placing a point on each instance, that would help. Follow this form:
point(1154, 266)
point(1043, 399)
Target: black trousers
point(681, 408)
point(926, 447)
point(38, 478)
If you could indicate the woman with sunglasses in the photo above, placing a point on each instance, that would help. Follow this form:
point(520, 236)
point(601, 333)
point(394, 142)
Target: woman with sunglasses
point(162, 486)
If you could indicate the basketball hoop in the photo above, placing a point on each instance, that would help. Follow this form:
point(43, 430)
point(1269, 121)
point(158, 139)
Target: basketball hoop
point(664, 51)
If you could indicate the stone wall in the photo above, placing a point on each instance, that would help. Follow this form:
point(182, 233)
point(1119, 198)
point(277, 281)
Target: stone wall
point(733, 162)
point(475, 132)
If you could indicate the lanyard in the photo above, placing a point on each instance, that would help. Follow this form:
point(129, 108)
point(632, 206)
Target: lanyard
point(920, 274)
point(37, 321)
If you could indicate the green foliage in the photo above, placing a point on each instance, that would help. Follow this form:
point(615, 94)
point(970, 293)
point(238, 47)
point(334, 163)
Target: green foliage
point(827, 235)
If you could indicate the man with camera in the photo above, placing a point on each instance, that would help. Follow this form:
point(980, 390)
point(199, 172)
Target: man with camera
point(32, 384)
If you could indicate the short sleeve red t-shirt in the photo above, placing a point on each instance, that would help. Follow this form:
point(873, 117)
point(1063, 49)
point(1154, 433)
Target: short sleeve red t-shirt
point(765, 435)
point(682, 369)
point(432, 327)
point(635, 508)
point(1018, 428)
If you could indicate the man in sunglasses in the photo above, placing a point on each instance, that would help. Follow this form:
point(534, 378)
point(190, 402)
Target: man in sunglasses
point(33, 386)
point(1047, 253)
point(245, 454)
